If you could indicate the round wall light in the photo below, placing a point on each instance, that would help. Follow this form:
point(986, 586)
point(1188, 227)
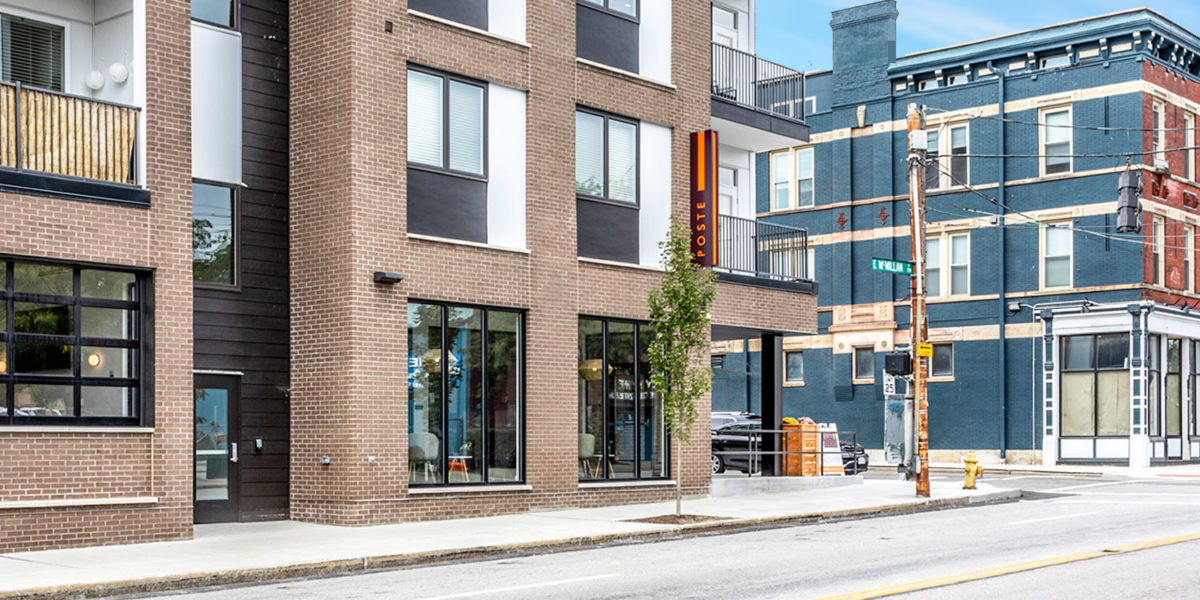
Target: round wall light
point(93, 360)
point(118, 72)
point(94, 81)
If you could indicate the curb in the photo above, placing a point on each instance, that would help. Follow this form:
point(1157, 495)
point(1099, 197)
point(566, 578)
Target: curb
point(371, 563)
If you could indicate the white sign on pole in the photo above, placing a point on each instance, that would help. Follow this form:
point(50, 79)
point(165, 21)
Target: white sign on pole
point(889, 384)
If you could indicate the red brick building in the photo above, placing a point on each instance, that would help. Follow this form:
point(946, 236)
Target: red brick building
point(423, 235)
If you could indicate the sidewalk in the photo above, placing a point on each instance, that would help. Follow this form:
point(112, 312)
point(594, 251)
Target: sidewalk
point(242, 552)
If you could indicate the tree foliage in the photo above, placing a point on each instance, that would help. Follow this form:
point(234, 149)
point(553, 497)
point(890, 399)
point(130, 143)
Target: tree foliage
point(679, 314)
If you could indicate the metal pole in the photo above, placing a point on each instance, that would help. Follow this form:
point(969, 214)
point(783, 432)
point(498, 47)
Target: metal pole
point(917, 146)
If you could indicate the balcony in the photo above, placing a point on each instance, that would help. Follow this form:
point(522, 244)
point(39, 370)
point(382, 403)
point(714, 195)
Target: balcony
point(68, 127)
point(757, 105)
point(761, 254)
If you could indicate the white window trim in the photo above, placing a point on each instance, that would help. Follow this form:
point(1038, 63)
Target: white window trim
point(1158, 246)
point(793, 200)
point(791, 382)
point(813, 100)
point(1046, 59)
point(1159, 140)
point(945, 146)
point(1189, 258)
point(772, 179)
point(66, 25)
point(854, 366)
point(937, 378)
point(1067, 226)
point(1042, 129)
point(1189, 133)
point(945, 253)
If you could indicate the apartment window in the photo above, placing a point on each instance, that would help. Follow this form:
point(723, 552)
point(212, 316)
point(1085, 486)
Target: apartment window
point(217, 12)
point(810, 262)
point(622, 430)
point(71, 351)
point(804, 177)
point(32, 52)
point(1189, 253)
point(1056, 141)
point(1156, 249)
point(467, 12)
point(928, 84)
point(810, 105)
point(864, 365)
point(1056, 255)
point(958, 155)
point(793, 367)
point(1058, 60)
point(465, 394)
point(214, 234)
point(1189, 140)
point(606, 157)
point(781, 176)
point(933, 266)
point(933, 170)
point(1157, 108)
point(446, 122)
point(959, 79)
point(942, 364)
point(628, 8)
point(1094, 385)
point(954, 251)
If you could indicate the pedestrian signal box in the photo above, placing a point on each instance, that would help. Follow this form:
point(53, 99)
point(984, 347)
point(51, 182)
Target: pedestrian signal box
point(897, 363)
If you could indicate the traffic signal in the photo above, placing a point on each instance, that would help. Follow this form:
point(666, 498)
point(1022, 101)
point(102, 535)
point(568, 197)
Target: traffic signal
point(897, 363)
point(1129, 192)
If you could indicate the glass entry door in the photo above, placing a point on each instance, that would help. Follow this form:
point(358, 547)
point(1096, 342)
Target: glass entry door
point(216, 472)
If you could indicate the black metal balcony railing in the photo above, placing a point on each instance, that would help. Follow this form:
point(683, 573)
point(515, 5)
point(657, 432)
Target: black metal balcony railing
point(764, 250)
point(746, 79)
point(63, 134)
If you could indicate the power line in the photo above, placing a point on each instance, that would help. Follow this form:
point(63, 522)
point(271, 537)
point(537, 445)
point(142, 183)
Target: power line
point(1081, 155)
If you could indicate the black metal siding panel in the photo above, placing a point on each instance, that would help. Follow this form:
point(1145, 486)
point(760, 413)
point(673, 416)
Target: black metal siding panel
point(247, 329)
point(607, 231)
point(605, 38)
point(447, 206)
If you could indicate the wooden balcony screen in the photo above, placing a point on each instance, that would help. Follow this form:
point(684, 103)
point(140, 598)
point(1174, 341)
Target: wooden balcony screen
point(67, 135)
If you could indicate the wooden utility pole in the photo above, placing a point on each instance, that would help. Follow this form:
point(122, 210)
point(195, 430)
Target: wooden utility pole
point(918, 144)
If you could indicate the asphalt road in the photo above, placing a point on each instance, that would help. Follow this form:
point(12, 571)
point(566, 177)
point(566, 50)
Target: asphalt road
point(1073, 538)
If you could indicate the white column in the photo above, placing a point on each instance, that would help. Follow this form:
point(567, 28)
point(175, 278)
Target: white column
point(1139, 381)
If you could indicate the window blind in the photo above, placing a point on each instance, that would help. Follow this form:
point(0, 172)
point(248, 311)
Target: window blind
point(622, 161)
point(466, 127)
point(424, 119)
point(32, 52)
point(589, 154)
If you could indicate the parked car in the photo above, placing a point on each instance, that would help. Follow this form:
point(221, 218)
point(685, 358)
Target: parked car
point(736, 440)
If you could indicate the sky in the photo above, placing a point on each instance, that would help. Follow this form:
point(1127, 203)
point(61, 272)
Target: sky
point(795, 33)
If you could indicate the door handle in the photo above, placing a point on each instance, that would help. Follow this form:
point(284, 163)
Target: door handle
point(233, 456)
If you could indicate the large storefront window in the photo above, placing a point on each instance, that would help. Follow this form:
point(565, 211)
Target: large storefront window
point(1095, 385)
point(70, 350)
point(1155, 392)
point(622, 432)
point(465, 393)
point(1174, 388)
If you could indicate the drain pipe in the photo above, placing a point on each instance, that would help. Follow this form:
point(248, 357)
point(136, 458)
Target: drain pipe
point(1002, 302)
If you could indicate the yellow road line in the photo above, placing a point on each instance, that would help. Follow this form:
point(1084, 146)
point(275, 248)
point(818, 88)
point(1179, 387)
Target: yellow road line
point(933, 582)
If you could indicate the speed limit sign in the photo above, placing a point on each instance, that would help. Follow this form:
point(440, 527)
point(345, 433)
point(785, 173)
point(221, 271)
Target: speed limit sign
point(889, 384)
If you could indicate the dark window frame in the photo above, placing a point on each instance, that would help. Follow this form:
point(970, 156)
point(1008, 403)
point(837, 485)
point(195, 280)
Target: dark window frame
point(445, 169)
point(637, 159)
point(605, 470)
point(1095, 370)
point(604, 8)
point(443, 454)
point(40, 20)
point(142, 381)
point(236, 227)
point(236, 18)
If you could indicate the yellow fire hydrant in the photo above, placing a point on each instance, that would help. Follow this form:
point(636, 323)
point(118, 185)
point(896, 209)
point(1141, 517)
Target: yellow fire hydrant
point(973, 471)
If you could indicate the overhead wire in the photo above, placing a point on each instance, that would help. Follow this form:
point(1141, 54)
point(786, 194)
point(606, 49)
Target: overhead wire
point(1064, 126)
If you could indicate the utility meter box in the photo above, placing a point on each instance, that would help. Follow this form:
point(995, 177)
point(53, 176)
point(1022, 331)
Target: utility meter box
point(897, 430)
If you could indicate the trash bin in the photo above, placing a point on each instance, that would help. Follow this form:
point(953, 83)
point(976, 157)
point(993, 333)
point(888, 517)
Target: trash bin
point(793, 441)
point(810, 461)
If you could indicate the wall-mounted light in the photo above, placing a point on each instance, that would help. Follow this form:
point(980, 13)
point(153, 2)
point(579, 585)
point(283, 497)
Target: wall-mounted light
point(94, 81)
point(118, 72)
point(387, 278)
point(3, 366)
point(94, 360)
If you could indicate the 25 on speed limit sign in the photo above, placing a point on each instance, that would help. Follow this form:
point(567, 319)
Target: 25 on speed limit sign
point(889, 384)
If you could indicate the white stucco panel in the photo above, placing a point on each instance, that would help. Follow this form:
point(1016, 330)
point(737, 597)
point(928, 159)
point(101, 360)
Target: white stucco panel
point(654, 217)
point(216, 104)
point(506, 167)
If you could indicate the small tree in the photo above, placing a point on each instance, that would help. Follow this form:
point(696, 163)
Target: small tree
point(679, 315)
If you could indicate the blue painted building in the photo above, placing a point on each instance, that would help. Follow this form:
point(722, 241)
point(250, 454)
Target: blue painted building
point(1056, 338)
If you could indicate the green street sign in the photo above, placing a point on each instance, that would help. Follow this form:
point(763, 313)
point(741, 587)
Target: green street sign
point(899, 267)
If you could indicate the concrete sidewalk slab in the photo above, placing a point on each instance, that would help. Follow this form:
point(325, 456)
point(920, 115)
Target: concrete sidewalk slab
point(1167, 470)
point(243, 552)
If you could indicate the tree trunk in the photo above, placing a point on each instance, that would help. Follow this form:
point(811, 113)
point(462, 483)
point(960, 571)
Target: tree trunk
point(679, 480)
